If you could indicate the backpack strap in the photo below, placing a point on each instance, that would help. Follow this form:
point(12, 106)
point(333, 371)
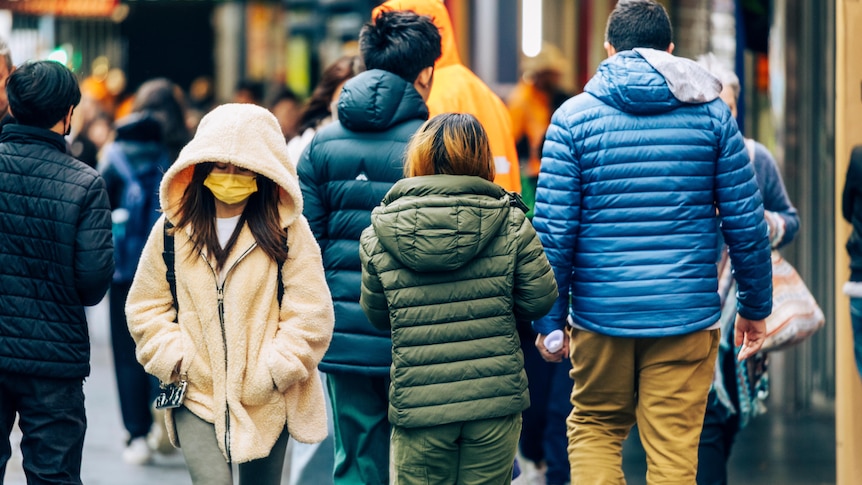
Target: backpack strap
point(169, 257)
point(515, 200)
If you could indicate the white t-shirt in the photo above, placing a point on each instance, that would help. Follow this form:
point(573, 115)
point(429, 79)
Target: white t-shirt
point(225, 227)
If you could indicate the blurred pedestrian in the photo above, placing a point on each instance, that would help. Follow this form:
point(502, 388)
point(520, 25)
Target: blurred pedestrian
point(458, 90)
point(133, 166)
point(543, 436)
point(56, 258)
point(97, 128)
point(653, 167)
point(201, 100)
point(287, 108)
point(313, 463)
point(320, 109)
point(6, 68)
point(851, 209)
point(344, 173)
point(231, 302)
point(166, 102)
point(249, 91)
point(448, 263)
point(739, 388)
point(537, 95)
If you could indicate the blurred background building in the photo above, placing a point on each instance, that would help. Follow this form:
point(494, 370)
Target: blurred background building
point(783, 50)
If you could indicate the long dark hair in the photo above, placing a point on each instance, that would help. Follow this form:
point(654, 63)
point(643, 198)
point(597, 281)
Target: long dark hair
point(197, 209)
point(317, 107)
point(166, 101)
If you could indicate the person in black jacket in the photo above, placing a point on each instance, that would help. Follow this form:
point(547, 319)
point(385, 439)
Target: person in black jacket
point(344, 174)
point(56, 257)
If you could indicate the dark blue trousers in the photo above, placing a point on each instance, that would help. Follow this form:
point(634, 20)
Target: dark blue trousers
point(135, 387)
point(543, 433)
point(53, 422)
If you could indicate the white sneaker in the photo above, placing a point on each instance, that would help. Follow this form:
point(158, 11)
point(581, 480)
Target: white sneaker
point(138, 452)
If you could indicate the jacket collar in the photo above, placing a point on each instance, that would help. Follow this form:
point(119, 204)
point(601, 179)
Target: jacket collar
point(16, 133)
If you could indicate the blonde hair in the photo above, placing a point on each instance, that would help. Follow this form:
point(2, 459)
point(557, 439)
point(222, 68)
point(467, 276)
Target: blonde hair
point(452, 144)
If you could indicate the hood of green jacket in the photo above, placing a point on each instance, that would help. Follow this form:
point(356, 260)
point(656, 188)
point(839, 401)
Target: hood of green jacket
point(440, 222)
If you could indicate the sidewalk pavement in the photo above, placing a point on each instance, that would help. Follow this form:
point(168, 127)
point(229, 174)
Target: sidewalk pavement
point(775, 449)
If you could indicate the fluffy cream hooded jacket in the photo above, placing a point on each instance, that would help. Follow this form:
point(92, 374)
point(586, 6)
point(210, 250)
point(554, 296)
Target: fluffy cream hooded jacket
point(255, 373)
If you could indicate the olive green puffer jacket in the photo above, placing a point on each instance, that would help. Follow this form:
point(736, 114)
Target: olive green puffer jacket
point(449, 262)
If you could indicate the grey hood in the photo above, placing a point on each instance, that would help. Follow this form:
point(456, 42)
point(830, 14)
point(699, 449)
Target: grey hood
point(646, 81)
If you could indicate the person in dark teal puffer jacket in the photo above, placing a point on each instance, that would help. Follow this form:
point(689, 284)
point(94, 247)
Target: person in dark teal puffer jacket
point(344, 173)
point(449, 263)
point(639, 174)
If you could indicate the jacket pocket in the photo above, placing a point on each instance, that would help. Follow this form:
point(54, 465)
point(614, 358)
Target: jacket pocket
point(258, 386)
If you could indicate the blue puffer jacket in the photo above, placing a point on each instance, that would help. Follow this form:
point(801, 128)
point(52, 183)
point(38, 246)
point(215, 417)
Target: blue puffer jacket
point(633, 172)
point(344, 174)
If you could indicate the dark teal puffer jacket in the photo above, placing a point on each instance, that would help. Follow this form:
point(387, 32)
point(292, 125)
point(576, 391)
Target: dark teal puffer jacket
point(344, 174)
point(449, 263)
point(639, 174)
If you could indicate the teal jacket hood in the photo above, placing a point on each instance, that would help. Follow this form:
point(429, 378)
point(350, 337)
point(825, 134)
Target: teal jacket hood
point(377, 100)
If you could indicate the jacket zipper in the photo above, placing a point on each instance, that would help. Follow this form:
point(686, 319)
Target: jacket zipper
point(220, 288)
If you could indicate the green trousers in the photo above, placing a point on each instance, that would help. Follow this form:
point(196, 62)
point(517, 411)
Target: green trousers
point(480, 452)
point(361, 428)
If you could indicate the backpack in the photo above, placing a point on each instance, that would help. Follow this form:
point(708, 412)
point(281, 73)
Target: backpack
point(138, 209)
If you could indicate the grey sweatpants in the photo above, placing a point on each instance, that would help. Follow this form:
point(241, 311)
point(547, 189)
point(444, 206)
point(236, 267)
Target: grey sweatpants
point(206, 463)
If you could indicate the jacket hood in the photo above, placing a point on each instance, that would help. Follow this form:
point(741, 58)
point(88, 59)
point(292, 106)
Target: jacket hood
point(244, 135)
point(440, 222)
point(141, 126)
point(435, 9)
point(648, 81)
point(376, 100)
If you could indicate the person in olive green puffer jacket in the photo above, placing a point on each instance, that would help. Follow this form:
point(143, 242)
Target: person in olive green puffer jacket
point(449, 262)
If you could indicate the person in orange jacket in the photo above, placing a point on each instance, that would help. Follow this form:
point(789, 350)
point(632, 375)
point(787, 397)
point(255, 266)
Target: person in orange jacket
point(457, 89)
point(531, 103)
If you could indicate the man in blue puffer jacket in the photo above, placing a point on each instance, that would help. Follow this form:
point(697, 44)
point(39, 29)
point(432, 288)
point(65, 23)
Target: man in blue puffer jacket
point(344, 174)
point(639, 173)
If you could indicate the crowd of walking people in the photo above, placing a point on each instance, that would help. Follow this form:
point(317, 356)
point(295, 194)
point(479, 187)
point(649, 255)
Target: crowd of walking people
point(359, 272)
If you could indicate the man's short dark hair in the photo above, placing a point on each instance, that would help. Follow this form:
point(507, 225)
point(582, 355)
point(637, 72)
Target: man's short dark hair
point(400, 42)
point(639, 23)
point(41, 93)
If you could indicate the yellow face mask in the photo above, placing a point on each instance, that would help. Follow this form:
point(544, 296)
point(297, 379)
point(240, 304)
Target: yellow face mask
point(231, 188)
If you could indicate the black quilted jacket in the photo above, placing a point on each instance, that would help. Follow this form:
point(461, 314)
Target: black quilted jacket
point(56, 254)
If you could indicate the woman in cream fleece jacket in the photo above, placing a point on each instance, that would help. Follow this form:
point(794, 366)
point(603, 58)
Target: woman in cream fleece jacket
point(233, 195)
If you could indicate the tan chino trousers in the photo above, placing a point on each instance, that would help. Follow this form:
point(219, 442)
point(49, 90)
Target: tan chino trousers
point(659, 383)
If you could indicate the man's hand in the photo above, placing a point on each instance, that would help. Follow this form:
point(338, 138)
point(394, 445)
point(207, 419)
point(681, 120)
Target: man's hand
point(557, 356)
point(750, 334)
